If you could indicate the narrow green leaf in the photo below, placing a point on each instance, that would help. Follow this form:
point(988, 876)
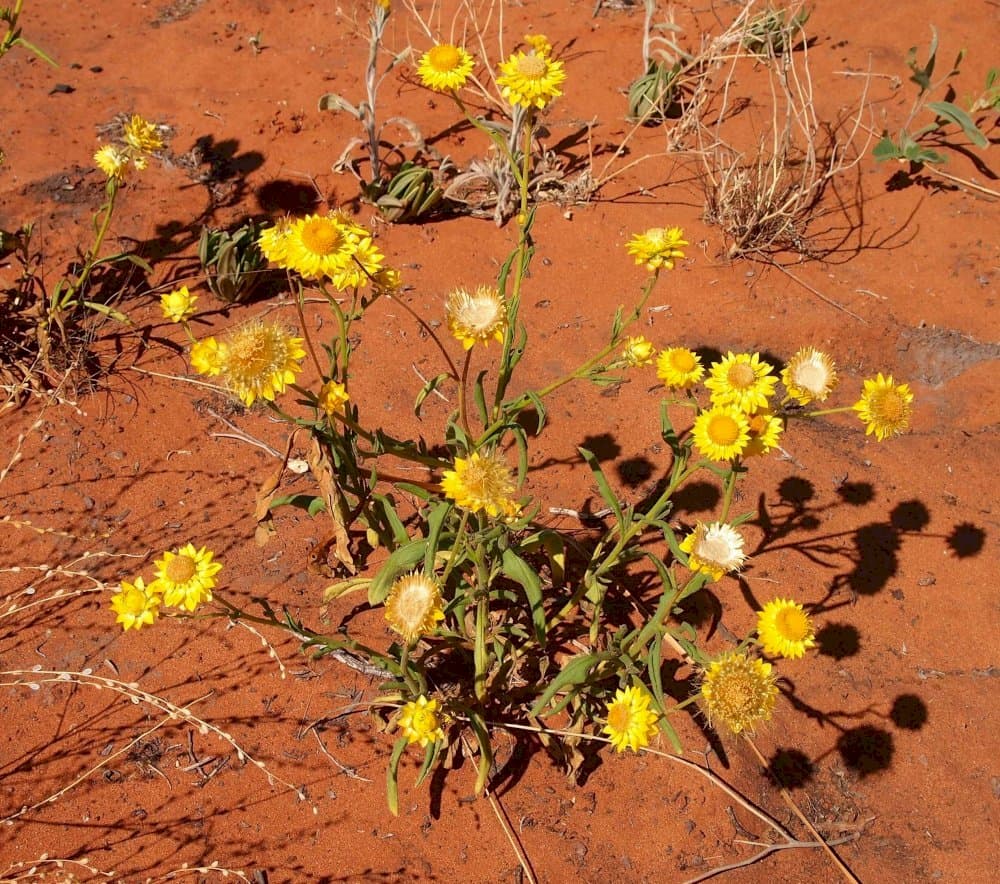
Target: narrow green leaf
point(430, 756)
point(518, 570)
point(385, 505)
point(671, 734)
point(572, 675)
point(391, 776)
point(426, 391)
point(958, 116)
point(479, 394)
point(602, 484)
point(403, 558)
point(485, 749)
point(653, 665)
point(435, 522)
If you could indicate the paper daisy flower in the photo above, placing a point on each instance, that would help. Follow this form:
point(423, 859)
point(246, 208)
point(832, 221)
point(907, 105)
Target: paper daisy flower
point(784, 629)
point(657, 247)
point(136, 605)
point(274, 242)
point(419, 721)
point(809, 375)
point(186, 577)
point(475, 317)
point(715, 549)
point(530, 80)
point(765, 431)
point(178, 305)
point(386, 281)
point(721, 432)
point(113, 162)
point(739, 690)
point(321, 245)
point(885, 407)
point(445, 68)
point(679, 368)
point(539, 42)
point(630, 722)
point(638, 351)
point(742, 380)
point(414, 606)
point(208, 356)
point(259, 360)
point(481, 483)
point(141, 135)
point(333, 397)
point(364, 262)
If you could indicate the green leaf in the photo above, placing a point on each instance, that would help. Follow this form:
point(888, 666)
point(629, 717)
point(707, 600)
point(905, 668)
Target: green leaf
point(485, 749)
point(427, 389)
point(539, 407)
point(653, 666)
point(479, 394)
point(430, 756)
point(518, 570)
point(886, 149)
point(435, 522)
point(385, 505)
point(602, 484)
point(404, 557)
point(392, 776)
point(671, 734)
point(572, 675)
point(960, 118)
point(308, 502)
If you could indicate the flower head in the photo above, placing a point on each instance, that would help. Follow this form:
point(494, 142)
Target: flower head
point(539, 42)
point(414, 605)
point(885, 407)
point(333, 397)
point(364, 264)
point(474, 318)
point(259, 360)
point(386, 281)
point(742, 380)
point(809, 375)
point(445, 68)
point(420, 721)
point(765, 431)
point(481, 483)
point(208, 356)
point(679, 368)
point(113, 162)
point(136, 605)
point(739, 691)
point(785, 629)
point(721, 432)
point(638, 351)
point(630, 722)
point(714, 548)
point(178, 305)
point(141, 135)
point(318, 246)
point(657, 247)
point(186, 576)
point(274, 241)
point(530, 80)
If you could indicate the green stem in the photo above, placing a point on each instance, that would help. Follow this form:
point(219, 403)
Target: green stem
point(456, 547)
point(730, 488)
point(463, 410)
point(481, 654)
point(73, 292)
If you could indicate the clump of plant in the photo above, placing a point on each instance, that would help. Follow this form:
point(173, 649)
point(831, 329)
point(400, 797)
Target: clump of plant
point(232, 261)
point(774, 31)
point(652, 96)
point(918, 146)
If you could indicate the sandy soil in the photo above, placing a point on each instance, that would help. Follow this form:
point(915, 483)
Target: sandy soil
point(889, 730)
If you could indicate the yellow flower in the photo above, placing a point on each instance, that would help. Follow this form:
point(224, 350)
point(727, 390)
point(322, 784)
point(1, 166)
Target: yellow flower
point(739, 690)
point(657, 247)
point(539, 42)
point(333, 397)
point(414, 606)
point(112, 161)
point(178, 305)
point(481, 483)
point(208, 356)
point(274, 242)
point(721, 432)
point(476, 317)
point(785, 629)
point(714, 548)
point(679, 368)
point(530, 80)
point(186, 576)
point(742, 380)
point(386, 281)
point(445, 68)
point(638, 351)
point(141, 135)
point(765, 431)
point(809, 375)
point(885, 407)
point(321, 245)
point(259, 361)
point(364, 263)
point(630, 722)
point(420, 721)
point(136, 605)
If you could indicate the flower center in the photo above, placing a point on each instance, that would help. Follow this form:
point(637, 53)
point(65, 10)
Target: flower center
point(736, 692)
point(321, 236)
point(620, 718)
point(423, 721)
point(810, 376)
point(723, 430)
point(741, 375)
point(890, 407)
point(180, 569)
point(480, 314)
point(715, 549)
point(682, 361)
point(532, 67)
point(135, 601)
point(444, 58)
point(793, 624)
